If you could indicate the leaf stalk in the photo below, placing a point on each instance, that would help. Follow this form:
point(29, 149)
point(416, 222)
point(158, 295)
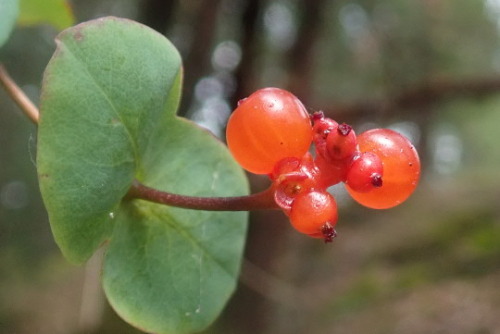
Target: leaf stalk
point(259, 201)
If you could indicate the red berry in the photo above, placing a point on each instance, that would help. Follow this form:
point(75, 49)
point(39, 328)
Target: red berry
point(401, 167)
point(313, 212)
point(365, 172)
point(341, 144)
point(332, 169)
point(268, 126)
point(321, 128)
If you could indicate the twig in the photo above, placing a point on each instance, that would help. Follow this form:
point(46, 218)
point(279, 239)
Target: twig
point(418, 96)
point(19, 96)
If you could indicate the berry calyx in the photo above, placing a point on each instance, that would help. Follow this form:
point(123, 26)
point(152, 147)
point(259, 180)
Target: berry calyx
point(312, 211)
point(401, 168)
point(329, 232)
point(268, 126)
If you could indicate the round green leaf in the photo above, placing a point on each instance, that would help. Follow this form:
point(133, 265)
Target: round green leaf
point(8, 15)
point(109, 99)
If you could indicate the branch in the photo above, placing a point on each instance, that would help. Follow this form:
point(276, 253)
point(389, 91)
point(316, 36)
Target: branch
point(19, 96)
point(420, 96)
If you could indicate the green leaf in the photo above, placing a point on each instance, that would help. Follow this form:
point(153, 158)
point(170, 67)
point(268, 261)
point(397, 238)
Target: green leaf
point(104, 90)
point(8, 15)
point(109, 99)
point(178, 266)
point(55, 12)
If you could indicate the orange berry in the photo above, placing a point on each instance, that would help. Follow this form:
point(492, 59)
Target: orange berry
point(311, 211)
point(268, 126)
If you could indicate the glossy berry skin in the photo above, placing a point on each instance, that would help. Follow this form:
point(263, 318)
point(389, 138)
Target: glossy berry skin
point(311, 211)
point(401, 168)
point(268, 126)
point(365, 172)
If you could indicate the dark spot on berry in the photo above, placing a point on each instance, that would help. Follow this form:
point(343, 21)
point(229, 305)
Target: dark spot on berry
point(292, 190)
point(337, 150)
point(296, 190)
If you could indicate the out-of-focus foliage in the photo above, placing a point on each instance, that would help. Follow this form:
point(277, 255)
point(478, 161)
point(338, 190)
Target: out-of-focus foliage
point(8, 15)
point(55, 12)
point(374, 47)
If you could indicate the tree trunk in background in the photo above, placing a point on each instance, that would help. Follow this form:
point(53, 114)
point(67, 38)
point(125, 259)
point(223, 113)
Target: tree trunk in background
point(158, 14)
point(245, 79)
point(197, 58)
point(300, 58)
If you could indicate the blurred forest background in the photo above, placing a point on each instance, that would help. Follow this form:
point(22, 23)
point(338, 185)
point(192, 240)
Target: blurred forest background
point(429, 68)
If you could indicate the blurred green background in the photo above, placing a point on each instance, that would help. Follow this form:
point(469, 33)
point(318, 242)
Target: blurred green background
point(429, 68)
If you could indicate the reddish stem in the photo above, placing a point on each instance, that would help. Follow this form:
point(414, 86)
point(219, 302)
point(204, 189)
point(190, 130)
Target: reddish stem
point(258, 201)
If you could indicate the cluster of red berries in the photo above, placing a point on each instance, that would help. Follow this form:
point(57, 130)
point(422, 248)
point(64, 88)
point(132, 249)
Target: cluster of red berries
point(270, 132)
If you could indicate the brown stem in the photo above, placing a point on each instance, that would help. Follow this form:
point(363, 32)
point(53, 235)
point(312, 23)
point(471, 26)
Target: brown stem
point(258, 201)
point(19, 96)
